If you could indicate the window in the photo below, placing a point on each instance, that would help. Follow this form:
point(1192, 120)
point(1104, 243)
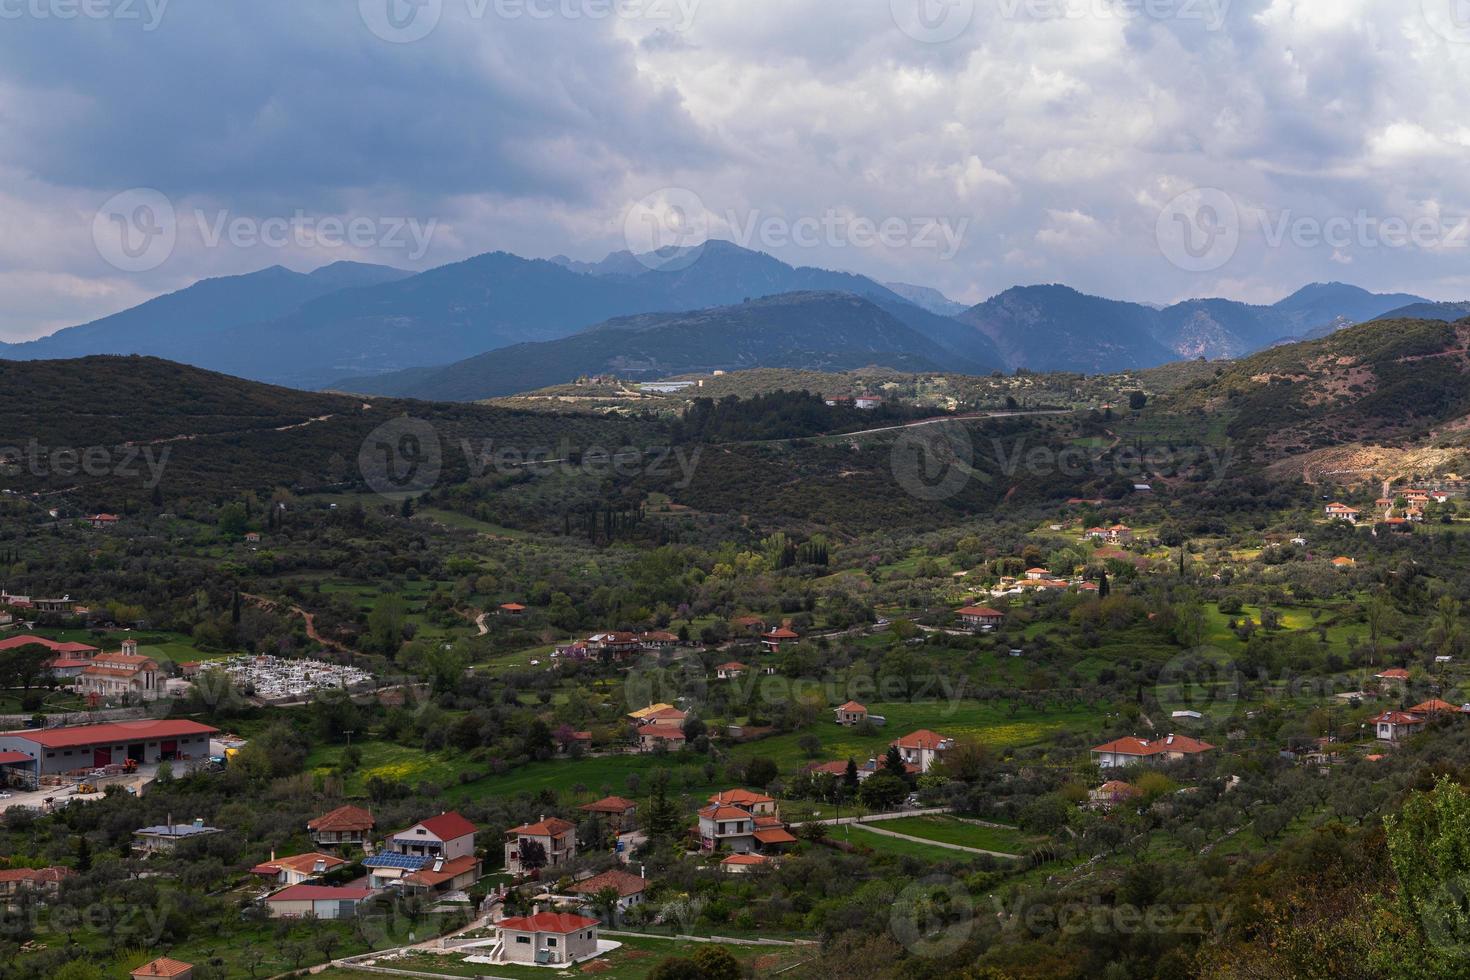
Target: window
point(524, 940)
point(551, 944)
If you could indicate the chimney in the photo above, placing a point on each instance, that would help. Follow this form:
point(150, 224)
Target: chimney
point(273, 854)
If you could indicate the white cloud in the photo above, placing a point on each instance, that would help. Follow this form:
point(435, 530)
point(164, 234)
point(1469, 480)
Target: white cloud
point(1058, 139)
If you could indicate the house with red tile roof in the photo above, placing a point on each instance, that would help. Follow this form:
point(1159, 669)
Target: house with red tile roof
point(1393, 675)
point(42, 881)
point(1395, 726)
point(651, 738)
point(1112, 793)
point(851, 714)
point(730, 671)
point(344, 825)
point(741, 864)
point(555, 838)
point(742, 821)
point(546, 939)
point(1434, 706)
point(1131, 750)
point(923, 748)
point(980, 617)
point(779, 637)
point(297, 868)
point(447, 835)
point(164, 968)
point(1341, 512)
point(320, 901)
point(631, 888)
point(618, 812)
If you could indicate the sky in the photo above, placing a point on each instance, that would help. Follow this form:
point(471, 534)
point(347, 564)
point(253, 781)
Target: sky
point(1150, 150)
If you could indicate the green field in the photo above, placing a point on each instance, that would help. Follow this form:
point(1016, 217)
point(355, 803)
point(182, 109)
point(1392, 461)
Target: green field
point(952, 830)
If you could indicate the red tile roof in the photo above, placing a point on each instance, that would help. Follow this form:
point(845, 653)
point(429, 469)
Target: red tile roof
point(300, 863)
point(717, 812)
point(546, 827)
point(774, 835)
point(1393, 674)
point(448, 871)
point(556, 922)
point(740, 797)
point(115, 733)
point(745, 860)
point(921, 739)
point(853, 706)
point(343, 818)
point(163, 967)
point(625, 882)
point(669, 732)
point(1432, 706)
point(611, 804)
point(985, 611)
point(447, 826)
point(1130, 745)
point(1396, 718)
point(55, 646)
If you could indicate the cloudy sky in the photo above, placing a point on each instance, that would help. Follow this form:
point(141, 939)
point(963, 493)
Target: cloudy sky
point(1144, 149)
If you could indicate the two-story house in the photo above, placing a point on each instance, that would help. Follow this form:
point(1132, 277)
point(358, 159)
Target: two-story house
point(552, 841)
point(923, 748)
point(344, 826)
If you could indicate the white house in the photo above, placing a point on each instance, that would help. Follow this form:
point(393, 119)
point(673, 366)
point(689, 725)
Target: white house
point(546, 938)
point(923, 748)
point(447, 836)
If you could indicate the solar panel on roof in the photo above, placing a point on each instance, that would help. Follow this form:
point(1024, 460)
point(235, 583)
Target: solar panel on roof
point(409, 862)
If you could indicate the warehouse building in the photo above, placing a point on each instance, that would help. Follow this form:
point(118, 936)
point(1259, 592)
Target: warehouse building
point(27, 755)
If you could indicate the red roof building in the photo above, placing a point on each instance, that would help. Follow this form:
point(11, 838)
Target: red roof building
point(1130, 749)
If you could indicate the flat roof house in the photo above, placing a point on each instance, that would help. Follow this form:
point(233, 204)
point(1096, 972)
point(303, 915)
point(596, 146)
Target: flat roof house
point(163, 838)
point(547, 938)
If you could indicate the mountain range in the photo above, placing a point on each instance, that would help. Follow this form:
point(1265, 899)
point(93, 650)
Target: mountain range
point(815, 331)
point(348, 322)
